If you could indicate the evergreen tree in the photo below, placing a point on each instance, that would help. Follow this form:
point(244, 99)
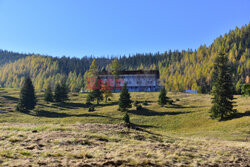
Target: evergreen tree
point(222, 89)
point(64, 92)
point(96, 93)
point(27, 100)
point(163, 99)
point(124, 101)
point(61, 92)
point(57, 95)
point(48, 95)
point(126, 118)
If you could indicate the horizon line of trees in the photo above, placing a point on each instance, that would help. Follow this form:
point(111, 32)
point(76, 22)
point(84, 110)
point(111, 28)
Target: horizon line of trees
point(179, 70)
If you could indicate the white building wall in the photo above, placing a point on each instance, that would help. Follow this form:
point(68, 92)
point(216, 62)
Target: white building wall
point(137, 82)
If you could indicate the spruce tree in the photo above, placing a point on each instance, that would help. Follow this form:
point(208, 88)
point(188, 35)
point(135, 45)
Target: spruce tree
point(222, 90)
point(126, 118)
point(27, 100)
point(96, 92)
point(48, 95)
point(124, 101)
point(61, 92)
point(163, 99)
point(57, 95)
point(64, 92)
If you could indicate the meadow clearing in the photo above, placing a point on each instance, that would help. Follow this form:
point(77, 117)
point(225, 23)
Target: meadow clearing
point(67, 134)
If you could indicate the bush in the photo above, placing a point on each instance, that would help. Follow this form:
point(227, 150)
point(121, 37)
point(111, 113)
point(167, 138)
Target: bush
point(177, 99)
point(170, 101)
point(138, 108)
point(92, 108)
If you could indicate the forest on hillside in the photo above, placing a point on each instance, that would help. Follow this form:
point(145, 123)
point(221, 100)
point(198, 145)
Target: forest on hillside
point(179, 70)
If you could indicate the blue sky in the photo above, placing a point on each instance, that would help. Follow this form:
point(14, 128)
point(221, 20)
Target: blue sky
point(115, 27)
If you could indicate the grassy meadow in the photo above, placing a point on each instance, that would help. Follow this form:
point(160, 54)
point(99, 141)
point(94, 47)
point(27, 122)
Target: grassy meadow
point(68, 135)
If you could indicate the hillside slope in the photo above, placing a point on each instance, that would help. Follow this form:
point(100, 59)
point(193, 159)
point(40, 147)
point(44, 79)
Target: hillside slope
point(9, 57)
point(178, 70)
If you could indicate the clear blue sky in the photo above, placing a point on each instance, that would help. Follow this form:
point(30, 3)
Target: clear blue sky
point(115, 27)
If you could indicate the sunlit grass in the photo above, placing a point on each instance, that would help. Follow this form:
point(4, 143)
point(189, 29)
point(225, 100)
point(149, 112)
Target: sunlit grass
point(190, 116)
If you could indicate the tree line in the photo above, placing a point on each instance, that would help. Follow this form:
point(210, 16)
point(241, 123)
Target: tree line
point(179, 70)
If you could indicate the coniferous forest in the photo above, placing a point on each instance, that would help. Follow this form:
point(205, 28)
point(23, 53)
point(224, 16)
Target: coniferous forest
point(179, 70)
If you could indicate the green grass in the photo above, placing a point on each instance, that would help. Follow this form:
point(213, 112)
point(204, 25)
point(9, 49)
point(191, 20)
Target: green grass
point(68, 135)
point(189, 117)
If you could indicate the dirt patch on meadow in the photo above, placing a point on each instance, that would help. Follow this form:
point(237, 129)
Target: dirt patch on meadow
point(86, 145)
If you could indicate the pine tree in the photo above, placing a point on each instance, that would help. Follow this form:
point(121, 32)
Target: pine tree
point(96, 93)
point(27, 100)
point(61, 92)
point(48, 95)
point(163, 99)
point(124, 101)
point(64, 92)
point(57, 95)
point(126, 118)
point(222, 89)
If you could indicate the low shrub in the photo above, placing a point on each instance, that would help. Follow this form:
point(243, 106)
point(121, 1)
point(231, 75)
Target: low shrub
point(91, 109)
point(138, 108)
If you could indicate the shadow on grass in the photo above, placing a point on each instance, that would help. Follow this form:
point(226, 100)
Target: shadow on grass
point(140, 128)
point(180, 106)
point(107, 104)
point(237, 115)
point(143, 126)
point(147, 112)
point(10, 98)
point(51, 106)
point(69, 105)
point(51, 114)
